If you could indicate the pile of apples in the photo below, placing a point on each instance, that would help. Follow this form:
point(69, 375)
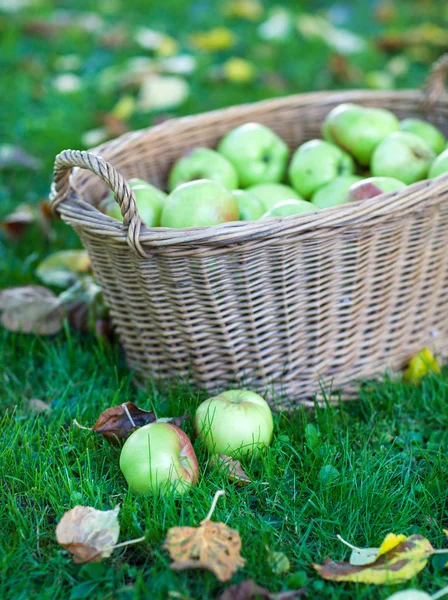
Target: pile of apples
point(159, 458)
point(365, 152)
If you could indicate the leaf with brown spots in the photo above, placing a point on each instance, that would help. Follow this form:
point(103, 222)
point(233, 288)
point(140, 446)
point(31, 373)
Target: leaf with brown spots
point(118, 422)
point(31, 309)
point(232, 468)
point(213, 546)
point(249, 590)
point(397, 565)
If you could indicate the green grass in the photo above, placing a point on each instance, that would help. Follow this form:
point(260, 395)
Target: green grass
point(389, 448)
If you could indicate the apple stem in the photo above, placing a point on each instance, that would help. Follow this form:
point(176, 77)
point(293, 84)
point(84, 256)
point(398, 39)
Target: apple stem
point(136, 541)
point(341, 539)
point(128, 414)
point(75, 422)
point(440, 593)
point(213, 506)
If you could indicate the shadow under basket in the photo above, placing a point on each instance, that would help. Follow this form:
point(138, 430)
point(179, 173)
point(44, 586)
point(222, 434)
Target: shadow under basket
point(286, 306)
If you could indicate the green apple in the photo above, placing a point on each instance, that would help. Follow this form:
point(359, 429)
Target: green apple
point(273, 193)
point(374, 186)
point(316, 163)
point(199, 203)
point(258, 154)
point(427, 131)
point(358, 129)
point(404, 156)
point(159, 459)
point(236, 422)
point(203, 163)
point(250, 208)
point(440, 165)
point(335, 192)
point(286, 208)
point(150, 201)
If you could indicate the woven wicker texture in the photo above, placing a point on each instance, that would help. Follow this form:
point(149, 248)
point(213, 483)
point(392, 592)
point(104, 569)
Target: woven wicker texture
point(287, 304)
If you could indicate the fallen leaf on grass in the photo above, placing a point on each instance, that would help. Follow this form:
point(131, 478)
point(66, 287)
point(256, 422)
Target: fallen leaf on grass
point(62, 269)
point(395, 566)
point(249, 590)
point(342, 40)
point(366, 556)
point(213, 546)
point(39, 406)
point(243, 9)
point(233, 468)
point(31, 309)
point(238, 70)
point(411, 595)
point(214, 40)
point(421, 365)
point(159, 92)
point(15, 224)
point(278, 562)
point(118, 422)
point(14, 156)
point(89, 534)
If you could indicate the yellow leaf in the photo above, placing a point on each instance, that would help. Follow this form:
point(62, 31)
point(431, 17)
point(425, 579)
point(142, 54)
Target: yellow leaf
point(390, 541)
point(244, 9)
point(167, 47)
point(212, 546)
point(62, 269)
point(238, 70)
point(421, 365)
point(124, 108)
point(397, 565)
point(367, 556)
point(219, 38)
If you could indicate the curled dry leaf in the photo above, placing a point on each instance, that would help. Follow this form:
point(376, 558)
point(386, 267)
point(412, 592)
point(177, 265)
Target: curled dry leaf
point(15, 224)
point(89, 534)
point(62, 269)
point(249, 590)
point(118, 422)
point(232, 467)
point(213, 546)
point(31, 309)
point(397, 565)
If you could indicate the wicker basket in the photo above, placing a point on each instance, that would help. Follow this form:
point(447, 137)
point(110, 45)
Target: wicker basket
point(289, 304)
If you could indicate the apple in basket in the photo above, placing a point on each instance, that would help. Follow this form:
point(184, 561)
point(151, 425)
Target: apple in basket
point(203, 163)
point(235, 423)
point(374, 186)
point(335, 192)
point(159, 459)
point(427, 131)
point(199, 203)
point(272, 193)
point(149, 199)
point(439, 166)
point(250, 208)
point(258, 154)
point(404, 156)
point(358, 129)
point(316, 163)
point(287, 208)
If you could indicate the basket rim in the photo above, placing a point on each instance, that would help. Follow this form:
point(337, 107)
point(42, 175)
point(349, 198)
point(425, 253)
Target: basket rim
point(81, 214)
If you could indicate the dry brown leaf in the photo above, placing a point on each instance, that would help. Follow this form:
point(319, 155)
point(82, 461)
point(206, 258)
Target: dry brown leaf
point(232, 467)
point(213, 546)
point(39, 406)
point(118, 422)
point(31, 309)
point(249, 590)
point(16, 224)
point(399, 564)
point(89, 534)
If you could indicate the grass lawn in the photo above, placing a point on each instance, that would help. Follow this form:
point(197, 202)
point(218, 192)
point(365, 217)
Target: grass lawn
point(388, 448)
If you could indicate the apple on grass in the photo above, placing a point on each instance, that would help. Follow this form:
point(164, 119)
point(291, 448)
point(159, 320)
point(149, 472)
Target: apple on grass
point(316, 163)
point(199, 203)
point(439, 166)
point(286, 208)
point(159, 459)
point(235, 423)
point(258, 154)
point(250, 208)
point(403, 156)
point(273, 193)
point(203, 163)
point(427, 131)
point(334, 193)
point(374, 186)
point(149, 199)
point(359, 129)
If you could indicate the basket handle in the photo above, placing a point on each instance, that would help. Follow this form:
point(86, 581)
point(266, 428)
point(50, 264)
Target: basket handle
point(435, 83)
point(124, 196)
